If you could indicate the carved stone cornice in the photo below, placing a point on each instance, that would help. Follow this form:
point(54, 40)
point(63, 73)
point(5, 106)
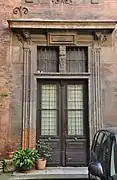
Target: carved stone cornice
point(61, 24)
point(61, 1)
point(100, 37)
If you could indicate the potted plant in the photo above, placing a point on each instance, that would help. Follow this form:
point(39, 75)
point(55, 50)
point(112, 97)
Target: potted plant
point(45, 152)
point(24, 160)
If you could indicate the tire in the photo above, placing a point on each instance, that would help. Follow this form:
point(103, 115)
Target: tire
point(89, 176)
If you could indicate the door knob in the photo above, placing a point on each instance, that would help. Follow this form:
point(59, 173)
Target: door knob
point(75, 138)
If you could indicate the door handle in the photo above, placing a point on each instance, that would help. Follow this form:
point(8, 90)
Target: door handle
point(75, 138)
point(49, 138)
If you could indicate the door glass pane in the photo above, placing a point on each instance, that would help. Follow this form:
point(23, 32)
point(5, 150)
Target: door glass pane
point(48, 109)
point(49, 96)
point(75, 109)
point(75, 97)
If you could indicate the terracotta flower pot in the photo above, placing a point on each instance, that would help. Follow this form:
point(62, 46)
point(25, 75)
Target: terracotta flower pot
point(10, 154)
point(41, 164)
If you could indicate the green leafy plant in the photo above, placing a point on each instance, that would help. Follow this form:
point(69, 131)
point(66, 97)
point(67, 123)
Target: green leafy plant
point(25, 159)
point(44, 150)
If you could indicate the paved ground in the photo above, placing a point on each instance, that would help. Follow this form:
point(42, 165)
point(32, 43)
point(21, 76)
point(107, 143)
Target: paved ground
point(5, 176)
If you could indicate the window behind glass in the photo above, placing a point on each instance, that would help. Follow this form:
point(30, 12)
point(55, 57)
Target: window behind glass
point(112, 162)
point(98, 141)
point(94, 141)
point(104, 155)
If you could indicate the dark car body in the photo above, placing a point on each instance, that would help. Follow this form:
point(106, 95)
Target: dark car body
point(103, 157)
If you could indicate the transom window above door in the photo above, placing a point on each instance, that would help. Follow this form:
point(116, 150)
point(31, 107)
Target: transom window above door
point(74, 59)
point(48, 59)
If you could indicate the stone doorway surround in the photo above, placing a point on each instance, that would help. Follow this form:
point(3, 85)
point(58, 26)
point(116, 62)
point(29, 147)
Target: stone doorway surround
point(98, 33)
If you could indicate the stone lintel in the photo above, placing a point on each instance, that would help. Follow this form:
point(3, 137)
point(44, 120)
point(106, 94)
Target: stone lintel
point(61, 24)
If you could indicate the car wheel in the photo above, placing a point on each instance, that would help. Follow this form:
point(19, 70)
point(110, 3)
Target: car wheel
point(89, 176)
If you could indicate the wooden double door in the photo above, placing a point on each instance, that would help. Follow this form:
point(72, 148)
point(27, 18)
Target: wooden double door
point(62, 120)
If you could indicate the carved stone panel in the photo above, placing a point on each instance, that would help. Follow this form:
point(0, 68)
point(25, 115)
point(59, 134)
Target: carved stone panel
point(62, 58)
point(29, 1)
point(62, 38)
point(62, 1)
point(94, 1)
point(32, 1)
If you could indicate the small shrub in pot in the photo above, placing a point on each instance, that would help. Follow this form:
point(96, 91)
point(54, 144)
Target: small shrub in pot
point(25, 159)
point(45, 153)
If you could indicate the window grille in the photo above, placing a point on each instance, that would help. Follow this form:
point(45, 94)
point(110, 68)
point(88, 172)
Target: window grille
point(77, 59)
point(48, 59)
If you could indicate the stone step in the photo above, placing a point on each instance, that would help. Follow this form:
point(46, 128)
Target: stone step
point(53, 173)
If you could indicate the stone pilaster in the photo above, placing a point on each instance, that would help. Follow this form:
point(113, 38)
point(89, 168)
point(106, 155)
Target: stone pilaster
point(33, 97)
point(24, 37)
point(26, 94)
point(29, 90)
point(95, 92)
